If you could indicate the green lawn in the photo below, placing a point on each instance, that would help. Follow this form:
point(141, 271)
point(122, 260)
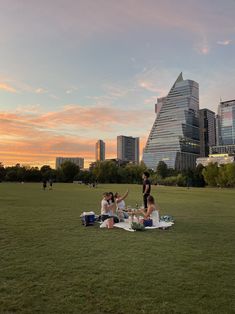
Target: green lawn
point(50, 263)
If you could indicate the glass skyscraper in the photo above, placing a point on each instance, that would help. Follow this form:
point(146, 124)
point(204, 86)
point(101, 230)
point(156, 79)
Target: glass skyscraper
point(174, 137)
point(128, 148)
point(226, 123)
point(207, 131)
point(100, 150)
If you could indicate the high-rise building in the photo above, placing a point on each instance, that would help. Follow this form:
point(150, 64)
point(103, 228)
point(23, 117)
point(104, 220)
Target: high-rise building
point(100, 150)
point(76, 160)
point(174, 137)
point(128, 148)
point(207, 131)
point(226, 123)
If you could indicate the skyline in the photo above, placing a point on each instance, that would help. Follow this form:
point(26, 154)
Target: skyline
point(73, 72)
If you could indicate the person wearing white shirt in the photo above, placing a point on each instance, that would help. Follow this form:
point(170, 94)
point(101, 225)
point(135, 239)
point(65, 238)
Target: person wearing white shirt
point(106, 208)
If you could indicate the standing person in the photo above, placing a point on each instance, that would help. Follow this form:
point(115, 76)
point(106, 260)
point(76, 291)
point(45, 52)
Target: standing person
point(146, 188)
point(44, 184)
point(50, 184)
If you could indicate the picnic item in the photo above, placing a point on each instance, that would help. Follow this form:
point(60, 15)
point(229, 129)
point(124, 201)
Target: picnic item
point(88, 218)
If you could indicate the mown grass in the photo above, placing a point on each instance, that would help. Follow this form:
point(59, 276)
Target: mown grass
point(50, 263)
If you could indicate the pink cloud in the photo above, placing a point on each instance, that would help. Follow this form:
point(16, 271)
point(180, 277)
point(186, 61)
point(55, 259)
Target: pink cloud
point(39, 138)
point(8, 88)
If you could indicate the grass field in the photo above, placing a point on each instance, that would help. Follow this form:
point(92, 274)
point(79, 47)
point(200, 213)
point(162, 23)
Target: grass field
point(52, 264)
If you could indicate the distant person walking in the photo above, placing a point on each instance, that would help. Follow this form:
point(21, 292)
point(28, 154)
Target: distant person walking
point(146, 188)
point(50, 184)
point(44, 184)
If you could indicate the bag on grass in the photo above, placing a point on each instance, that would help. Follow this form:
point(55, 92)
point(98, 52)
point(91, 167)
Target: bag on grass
point(148, 222)
point(88, 218)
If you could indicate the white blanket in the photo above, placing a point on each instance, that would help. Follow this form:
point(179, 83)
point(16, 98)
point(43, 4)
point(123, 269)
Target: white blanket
point(126, 225)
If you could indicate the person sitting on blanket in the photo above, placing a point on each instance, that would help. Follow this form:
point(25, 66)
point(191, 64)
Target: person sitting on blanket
point(121, 206)
point(152, 211)
point(106, 208)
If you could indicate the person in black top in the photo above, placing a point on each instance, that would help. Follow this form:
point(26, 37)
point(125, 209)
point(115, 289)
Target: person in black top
point(146, 188)
point(44, 184)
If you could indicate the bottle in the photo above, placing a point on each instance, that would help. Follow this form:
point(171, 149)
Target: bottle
point(135, 219)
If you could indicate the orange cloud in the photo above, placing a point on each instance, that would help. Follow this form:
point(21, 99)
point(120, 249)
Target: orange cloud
point(36, 138)
point(8, 88)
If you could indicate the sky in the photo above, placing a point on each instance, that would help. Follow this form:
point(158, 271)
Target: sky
point(75, 71)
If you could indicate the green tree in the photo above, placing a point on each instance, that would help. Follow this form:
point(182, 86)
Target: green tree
point(33, 175)
point(230, 170)
point(68, 171)
point(2, 172)
point(222, 178)
point(11, 174)
point(198, 176)
point(162, 169)
point(46, 172)
point(210, 174)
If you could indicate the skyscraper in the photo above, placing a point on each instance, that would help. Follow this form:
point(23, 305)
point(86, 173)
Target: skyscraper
point(226, 122)
point(100, 150)
point(174, 137)
point(207, 131)
point(128, 148)
point(225, 129)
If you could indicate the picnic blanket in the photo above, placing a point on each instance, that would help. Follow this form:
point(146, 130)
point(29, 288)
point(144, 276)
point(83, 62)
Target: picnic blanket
point(126, 225)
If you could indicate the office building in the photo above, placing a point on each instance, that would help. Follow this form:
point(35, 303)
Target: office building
point(223, 149)
point(174, 137)
point(76, 160)
point(226, 123)
point(220, 159)
point(100, 150)
point(207, 131)
point(225, 129)
point(128, 148)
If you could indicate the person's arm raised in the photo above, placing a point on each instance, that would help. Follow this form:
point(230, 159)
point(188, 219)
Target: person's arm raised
point(122, 197)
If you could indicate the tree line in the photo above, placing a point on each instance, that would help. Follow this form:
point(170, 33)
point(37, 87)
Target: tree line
point(111, 172)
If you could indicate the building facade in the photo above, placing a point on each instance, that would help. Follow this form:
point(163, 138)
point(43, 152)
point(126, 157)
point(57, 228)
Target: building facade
point(174, 137)
point(100, 150)
point(220, 159)
point(207, 126)
point(223, 149)
point(76, 160)
point(226, 123)
point(128, 148)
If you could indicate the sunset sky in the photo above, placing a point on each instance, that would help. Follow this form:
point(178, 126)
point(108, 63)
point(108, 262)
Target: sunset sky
point(75, 71)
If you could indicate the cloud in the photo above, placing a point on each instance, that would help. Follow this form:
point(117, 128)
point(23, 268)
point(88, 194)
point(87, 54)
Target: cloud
point(71, 90)
point(8, 88)
point(151, 100)
point(31, 108)
point(149, 86)
point(30, 136)
point(40, 90)
point(224, 42)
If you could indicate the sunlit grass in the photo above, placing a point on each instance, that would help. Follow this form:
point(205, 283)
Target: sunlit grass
point(50, 263)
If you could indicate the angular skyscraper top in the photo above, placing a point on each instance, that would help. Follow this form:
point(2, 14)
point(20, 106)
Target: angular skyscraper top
point(174, 137)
